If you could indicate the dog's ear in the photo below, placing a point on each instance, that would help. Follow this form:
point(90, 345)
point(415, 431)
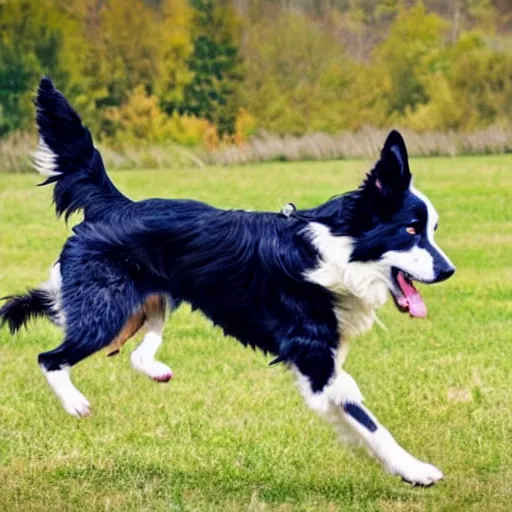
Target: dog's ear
point(391, 175)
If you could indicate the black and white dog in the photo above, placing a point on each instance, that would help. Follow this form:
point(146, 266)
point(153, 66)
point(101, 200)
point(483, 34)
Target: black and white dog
point(297, 284)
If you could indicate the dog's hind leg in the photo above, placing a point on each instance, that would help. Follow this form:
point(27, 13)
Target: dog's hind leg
point(340, 401)
point(96, 333)
point(95, 330)
point(143, 357)
point(131, 327)
point(98, 301)
point(56, 365)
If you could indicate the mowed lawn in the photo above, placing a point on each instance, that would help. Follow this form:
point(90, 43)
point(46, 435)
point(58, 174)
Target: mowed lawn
point(230, 433)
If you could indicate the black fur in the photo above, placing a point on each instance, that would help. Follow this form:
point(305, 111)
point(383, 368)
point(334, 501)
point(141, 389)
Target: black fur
point(244, 270)
point(360, 415)
point(19, 309)
point(82, 183)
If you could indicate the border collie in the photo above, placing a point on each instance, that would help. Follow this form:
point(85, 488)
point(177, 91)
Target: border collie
point(297, 284)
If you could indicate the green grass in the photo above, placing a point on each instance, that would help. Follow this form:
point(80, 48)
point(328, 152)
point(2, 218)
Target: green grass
point(230, 433)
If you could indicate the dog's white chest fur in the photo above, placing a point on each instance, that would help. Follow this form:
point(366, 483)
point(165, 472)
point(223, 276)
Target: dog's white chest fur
point(360, 287)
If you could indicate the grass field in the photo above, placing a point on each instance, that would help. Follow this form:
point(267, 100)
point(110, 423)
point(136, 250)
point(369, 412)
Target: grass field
point(231, 434)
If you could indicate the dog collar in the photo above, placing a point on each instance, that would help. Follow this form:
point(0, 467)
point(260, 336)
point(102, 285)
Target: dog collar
point(288, 210)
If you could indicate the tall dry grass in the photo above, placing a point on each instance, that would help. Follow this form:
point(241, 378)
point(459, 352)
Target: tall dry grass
point(16, 150)
point(365, 143)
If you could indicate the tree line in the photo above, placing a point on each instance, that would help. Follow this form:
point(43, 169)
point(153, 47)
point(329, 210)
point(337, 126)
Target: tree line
point(207, 71)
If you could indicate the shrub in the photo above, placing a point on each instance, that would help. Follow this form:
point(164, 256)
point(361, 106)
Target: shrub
point(141, 120)
point(192, 131)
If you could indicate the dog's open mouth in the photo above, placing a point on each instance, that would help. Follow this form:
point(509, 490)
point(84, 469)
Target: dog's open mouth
point(407, 298)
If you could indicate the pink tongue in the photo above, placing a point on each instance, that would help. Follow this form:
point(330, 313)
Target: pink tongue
point(417, 307)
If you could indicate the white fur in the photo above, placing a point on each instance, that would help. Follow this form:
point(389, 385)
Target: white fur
point(360, 287)
point(398, 461)
point(72, 400)
point(380, 443)
point(343, 389)
point(143, 357)
point(45, 159)
point(417, 262)
point(342, 352)
point(432, 220)
point(53, 288)
point(319, 402)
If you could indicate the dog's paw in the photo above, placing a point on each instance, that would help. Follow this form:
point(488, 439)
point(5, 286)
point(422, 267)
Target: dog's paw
point(75, 403)
point(159, 371)
point(72, 400)
point(154, 369)
point(415, 472)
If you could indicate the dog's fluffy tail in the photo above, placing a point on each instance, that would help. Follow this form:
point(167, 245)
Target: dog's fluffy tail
point(19, 309)
point(67, 157)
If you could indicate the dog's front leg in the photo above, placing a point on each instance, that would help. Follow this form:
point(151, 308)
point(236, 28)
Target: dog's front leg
point(341, 403)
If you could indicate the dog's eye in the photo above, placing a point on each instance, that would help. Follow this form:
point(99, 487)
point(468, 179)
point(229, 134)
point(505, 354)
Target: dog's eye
point(413, 228)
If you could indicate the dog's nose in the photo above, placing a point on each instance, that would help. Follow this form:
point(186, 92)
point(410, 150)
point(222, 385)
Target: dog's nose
point(445, 273)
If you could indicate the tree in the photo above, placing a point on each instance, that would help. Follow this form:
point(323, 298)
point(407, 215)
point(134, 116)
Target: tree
point(177, 47)
point(214, 92)
point(34, 40)
point(299, 78)
point(408, 53)
point(131, 48)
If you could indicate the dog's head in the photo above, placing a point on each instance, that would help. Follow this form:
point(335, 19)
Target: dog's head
point(393, 225)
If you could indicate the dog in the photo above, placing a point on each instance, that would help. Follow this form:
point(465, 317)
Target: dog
point(297, 284)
